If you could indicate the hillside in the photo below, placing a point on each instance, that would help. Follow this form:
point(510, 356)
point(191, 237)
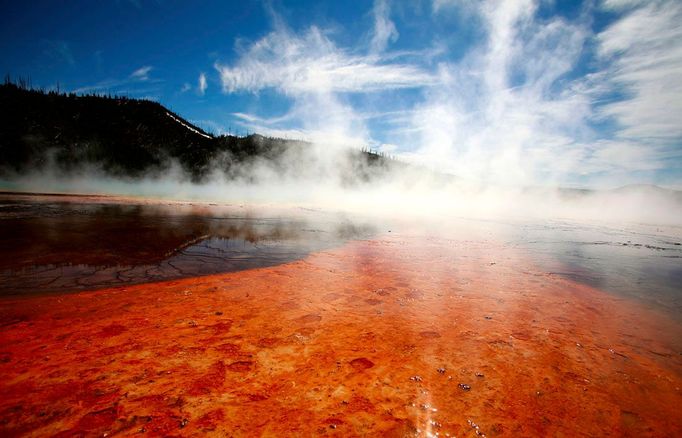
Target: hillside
point(131, 138)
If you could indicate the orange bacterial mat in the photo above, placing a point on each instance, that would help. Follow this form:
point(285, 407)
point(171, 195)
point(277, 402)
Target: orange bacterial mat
point(395, 336)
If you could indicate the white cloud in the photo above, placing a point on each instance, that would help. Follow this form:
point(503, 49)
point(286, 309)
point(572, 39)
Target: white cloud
point(312, 63)
point(644, 49)
point(248, 117)
point(252, 118)
point(623, 4)
point(142, 73)
point(384, 29)
point(497, 114)
point(201, 88)
point(512, 110)
point(316, 74)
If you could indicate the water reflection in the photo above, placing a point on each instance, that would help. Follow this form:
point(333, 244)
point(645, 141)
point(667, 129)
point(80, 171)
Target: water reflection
point(639, 261)
point(62, 246)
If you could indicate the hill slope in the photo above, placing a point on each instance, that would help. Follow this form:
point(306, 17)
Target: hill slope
point(131, 138)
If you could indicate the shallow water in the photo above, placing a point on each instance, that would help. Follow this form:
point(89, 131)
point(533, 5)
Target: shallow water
point(643, 262)
point(475, 329)
point(66, 245)
point(59, 244)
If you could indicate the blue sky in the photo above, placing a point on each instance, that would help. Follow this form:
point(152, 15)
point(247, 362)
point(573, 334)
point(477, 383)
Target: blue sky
point(521, 92)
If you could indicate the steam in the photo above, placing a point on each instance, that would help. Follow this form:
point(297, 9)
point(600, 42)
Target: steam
point(510, 121)
point(313, 178)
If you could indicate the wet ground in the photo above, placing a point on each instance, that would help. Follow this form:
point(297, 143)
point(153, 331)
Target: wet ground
point(402, 333)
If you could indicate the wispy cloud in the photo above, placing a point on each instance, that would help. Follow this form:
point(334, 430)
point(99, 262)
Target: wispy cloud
point(508, 111)
point(644, 52)
point(384, 29)
point(142, 73)
point(201, 87)
point(250, 118)
point(312, 63)
point(497, 114)
point(315, 73)
point(517, 108)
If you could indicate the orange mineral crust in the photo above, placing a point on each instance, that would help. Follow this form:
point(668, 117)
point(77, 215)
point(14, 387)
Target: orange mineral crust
point(398, 336)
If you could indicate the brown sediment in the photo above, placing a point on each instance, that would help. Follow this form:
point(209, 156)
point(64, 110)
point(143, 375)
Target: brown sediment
point(391, 337)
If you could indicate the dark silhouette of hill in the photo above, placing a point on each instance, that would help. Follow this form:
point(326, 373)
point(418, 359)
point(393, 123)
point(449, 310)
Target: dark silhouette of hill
point(135, 137)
